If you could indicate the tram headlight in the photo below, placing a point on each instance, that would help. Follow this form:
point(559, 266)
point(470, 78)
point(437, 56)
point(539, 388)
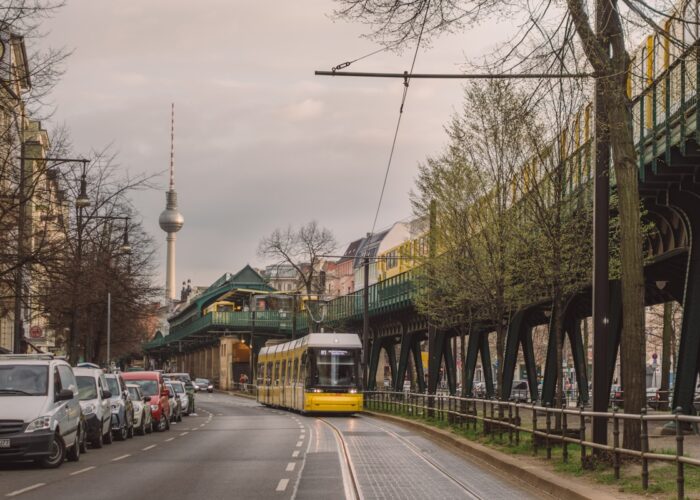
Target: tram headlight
point(352, 391)
point(316, 390)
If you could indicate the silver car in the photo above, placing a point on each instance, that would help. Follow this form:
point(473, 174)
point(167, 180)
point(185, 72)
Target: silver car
point(94, 399)
point(181, 394)
point(142, 411)
point(40, 415)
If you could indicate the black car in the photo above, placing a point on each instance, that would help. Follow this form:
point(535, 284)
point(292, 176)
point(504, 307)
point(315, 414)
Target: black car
point(203, 384)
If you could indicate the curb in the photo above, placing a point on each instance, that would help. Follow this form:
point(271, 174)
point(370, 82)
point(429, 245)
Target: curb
point(238, 394)
point(542, 480)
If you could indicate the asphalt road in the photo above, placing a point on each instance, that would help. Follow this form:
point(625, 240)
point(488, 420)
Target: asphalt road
point(235, 448)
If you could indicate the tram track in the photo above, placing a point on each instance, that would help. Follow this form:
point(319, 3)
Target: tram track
point(352, 487)
point(470, 493)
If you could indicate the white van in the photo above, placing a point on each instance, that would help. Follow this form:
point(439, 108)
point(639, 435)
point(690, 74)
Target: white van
point(94, 399)
point(40, 415)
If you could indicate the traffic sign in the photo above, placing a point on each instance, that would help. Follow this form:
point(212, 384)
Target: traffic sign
point(36, 332)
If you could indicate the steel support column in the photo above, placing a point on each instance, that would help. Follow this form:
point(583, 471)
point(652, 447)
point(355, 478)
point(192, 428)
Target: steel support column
point(404, 353)
point(418, 363)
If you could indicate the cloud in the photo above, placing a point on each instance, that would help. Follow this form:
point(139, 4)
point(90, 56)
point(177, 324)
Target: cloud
point(304, 110)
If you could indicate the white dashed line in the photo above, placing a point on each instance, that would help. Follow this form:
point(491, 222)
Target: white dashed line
point(121, 458)
point(282, 485)
point(82, 470)
point(290, 466)
point(299, 444)
point(301, 437)
point(39, 485)
point(169, 439)
point(149, 447)
point(184, 433)
point(295, 454)
point(201, 425)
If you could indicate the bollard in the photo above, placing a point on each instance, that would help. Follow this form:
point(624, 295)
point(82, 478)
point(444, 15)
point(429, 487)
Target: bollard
point(645, 450)
point(534, 430)
point(582, 433)
point(680, 480)
point(564, 442)
point(510, 424)
point(548, 420)
point(517, 424)
point(616, 443)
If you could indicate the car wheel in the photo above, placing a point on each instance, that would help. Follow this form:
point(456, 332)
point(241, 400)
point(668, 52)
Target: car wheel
point(73, 454)
point(83, 442)
point(57, 453)
point(122, 433)
point(141, 431)
point(98, 442)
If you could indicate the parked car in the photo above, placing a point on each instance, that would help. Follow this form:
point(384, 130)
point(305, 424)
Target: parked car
point(652, 396)
point(181, 394)
point(94, 398)
point(122, 407)
point(40, 415)
point(142, 412)
point(153, 386)
point(189, 388)
point(616, 396)
point(203, 384)
point(520, 391)
point(174, 401)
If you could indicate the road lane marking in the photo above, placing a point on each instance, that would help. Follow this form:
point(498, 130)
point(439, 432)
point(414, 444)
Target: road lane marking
point(121, 458)
point(24, 490)
point(299, 444)
point(290, 466)
point(282, 485)
point(295, 454)
point(149, 447)
point(169, 439)
point(301, 437)
point(82, 470)
point(201, 425)
point(184, 433)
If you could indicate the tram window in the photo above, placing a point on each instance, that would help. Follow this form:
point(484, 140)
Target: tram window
point(295, 372)
point(335, 367)
point(261, 373)
point(268, 374)
point(284, 372)
point(277, 373)
point(289, 372)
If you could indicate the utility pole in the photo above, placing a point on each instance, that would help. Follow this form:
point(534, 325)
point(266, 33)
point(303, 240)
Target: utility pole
point(365, 322)
point(19, 272)
point(294, 315)
point(109, 330)
point(601, 207)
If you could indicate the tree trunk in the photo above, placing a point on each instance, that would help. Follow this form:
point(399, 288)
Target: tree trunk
point(665, 357)
point(632, 344)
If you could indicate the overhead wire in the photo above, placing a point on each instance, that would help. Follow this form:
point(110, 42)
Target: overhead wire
point(407, 79)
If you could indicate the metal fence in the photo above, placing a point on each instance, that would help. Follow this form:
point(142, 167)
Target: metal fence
point(506, 417)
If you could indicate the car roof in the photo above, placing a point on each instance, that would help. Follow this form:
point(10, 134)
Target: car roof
point(144, 375)
point(96, 372)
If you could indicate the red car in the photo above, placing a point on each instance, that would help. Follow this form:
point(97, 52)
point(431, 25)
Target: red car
point(153, 386)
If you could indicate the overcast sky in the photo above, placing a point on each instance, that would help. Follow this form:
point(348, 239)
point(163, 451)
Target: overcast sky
point(260, 142)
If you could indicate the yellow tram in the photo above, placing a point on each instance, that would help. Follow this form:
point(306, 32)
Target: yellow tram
point(316, 373)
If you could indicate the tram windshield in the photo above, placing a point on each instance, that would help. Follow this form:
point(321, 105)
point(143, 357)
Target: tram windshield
point(336, 367)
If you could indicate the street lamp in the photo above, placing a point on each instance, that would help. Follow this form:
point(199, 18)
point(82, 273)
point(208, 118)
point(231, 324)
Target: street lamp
point(18, 333)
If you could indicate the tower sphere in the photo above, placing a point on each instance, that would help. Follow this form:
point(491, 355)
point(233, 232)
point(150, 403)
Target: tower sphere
point(171, 220)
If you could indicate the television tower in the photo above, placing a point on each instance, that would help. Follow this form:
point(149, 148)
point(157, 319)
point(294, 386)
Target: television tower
point(170, 220)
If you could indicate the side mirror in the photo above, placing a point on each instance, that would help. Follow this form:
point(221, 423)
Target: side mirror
point(64, 395)
point(106, 394)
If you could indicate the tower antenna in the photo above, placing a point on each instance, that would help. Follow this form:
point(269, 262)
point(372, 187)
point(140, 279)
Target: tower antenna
point(172, 146)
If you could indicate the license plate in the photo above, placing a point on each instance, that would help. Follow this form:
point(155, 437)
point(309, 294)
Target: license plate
point(4, 443)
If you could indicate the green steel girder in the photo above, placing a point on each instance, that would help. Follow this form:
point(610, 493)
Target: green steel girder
point(689, 349)
point(519, 335)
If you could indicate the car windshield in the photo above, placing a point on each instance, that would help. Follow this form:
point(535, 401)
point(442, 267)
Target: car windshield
point(134, 393)
point(148, 387)
point(202, 381)
point(179, 389)
point(113, 386)
point(87, 389)
point(336, 367)
point(23, 380)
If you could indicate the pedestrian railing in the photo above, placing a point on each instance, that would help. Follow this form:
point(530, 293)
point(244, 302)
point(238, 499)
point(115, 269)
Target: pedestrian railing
point(547, 427)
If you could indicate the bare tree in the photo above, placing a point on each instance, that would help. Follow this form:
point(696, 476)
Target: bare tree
point(303, 248)
point(557, 37)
